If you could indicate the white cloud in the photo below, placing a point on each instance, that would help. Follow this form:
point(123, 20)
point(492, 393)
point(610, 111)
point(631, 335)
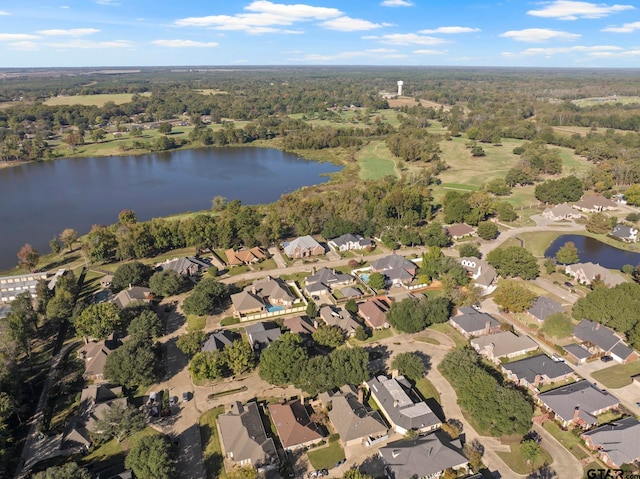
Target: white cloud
point(73, 32)
point(396, 3)
point(293, 12)
point(406, 39)
point(564, 50)
point(3, 13)
point(450, 30)
point(572, 10)
point(371, 53)
point(539, 35)
point(348, 24)
point(429, 52)
point(86, 44)
point(109, 3)
point(625, 28)
point(625, 53)
point(16, 37)
point(24, 46)
point(184, 44)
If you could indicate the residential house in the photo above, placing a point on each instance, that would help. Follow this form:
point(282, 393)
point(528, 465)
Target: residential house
point(595, 204)
point(503, 345)
point(561, 212)
point(244, 439)
point(397, 269)
point(294, 426)
point(219, 340)
point(423, 457)
point(132, 295)
point(578, 404)
point(482, 273)
point(303, 247)
point(349, 242)
point(617, 443)
point(95, 354)
point(338, 316)
point(585, 273)
point(577, 354)
point(351, 292)
point(459, 231)
point(325, 280)
point(245, 256)
point(264, 294)
point(536, 370)
point(628, 234)
point(542, 307)
point(471, 322)
point(354, 422)
point(246, 303)
point(401, 405)
point(374, 312)
point(302, 325)
point(187, 267)
point(262, 334)
point(599, 340)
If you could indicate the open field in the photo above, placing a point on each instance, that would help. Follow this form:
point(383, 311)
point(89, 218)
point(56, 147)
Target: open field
point(87, 100)
point(583, 130)
point(212, 91)
point(607, 100)
point(376, 161)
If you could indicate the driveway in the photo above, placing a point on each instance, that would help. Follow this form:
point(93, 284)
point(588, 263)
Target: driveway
point(560, 291)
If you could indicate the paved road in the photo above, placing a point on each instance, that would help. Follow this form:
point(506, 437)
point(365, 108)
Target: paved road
point(564, 463)
point(560, 291)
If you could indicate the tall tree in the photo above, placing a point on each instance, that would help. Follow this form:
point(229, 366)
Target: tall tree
point(239, 356)
point(28, 257)
point(133, 273)
point(133, 364)
point(514, 261)
point(98, 321)
point(68, 237)
point(568, 253)
point(149, 458)
point(409, 365)
point(70, 470)
point(119, 422)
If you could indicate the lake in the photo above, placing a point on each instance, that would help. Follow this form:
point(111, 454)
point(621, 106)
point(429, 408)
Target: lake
point(39, 200)
point(592, 250)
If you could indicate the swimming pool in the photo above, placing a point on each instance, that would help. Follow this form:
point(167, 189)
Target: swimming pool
point(365, 277)
point(273, 309)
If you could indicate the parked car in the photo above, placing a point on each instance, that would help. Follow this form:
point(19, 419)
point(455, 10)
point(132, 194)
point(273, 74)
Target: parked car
point(152, 397)
point(557, 358)
point(186, 396)
point(173, 400)
point(606, 359)
point(568, 284)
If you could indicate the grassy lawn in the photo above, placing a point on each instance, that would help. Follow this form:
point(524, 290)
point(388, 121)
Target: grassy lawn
point(377, 335)
point(428, 340)
point(238, 270)
point(113, 451)
point(376, 161)
point(428, 390)
point(516, 462)
point(229, 320)
point(617, 376)
point(212, 452)
point(265, 265)
point(196, 323)
point(609, 416)
point(326, 457)
point(623, 100)
point(569, 440)
point(446, 328)
point(89, 100)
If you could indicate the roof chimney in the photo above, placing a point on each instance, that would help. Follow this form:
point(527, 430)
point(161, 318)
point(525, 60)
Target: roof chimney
point(597, 326)
point(537, 380)
point(576, 414)
point(487, 326)
point(360, 394)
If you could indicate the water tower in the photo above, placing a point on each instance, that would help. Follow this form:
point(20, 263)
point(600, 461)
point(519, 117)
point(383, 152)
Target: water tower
point(400, 83)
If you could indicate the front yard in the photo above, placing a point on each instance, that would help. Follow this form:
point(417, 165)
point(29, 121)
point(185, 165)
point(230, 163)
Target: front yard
point(212, 452)
point(617, 376)
point(516, 462)
point(326, 457)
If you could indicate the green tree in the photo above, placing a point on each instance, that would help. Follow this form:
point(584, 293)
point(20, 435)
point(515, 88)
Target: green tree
point(412, 315)
point(530, 450)
point(498, 187)
point(133, 364)
point(28, 257)
point(312, 309)
point(70, 470)
point(283, 360)
point(55, 246)
point(377, 281)
point(469, 250)
point(329, 335)
point(568, 253)
point(149, 458)
point(599, 223)
point(133, 273)
point(361, 333)
point(246, 472)
point(351, 306)
point(435, 235)
point(68, 237)
point(191, 343)
point(355, 473)
point(514, 297)
point(565, 189)
point(632, 195)
point(207, 365)
point(239, 356)
point(147, 324)
point(166, 282)
point(514, 261)
point(98, 321)
point(206, 296)
point(558, 325)
point(487, 230)
point(97, 135)
point(505, 211)
point(119, 422)
point(165, 128)
point(477, 151)
point(409, 365)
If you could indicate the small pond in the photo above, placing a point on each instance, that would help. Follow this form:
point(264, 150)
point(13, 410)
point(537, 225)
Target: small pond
point(592, 250)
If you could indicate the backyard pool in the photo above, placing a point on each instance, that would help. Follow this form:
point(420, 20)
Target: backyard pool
point(365, 277)
point(272, 309)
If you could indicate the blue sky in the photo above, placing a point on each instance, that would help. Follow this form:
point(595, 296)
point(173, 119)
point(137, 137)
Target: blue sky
point(558, 33)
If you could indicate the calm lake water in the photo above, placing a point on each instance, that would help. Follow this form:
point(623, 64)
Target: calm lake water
point(39, 200)
point(590, 249)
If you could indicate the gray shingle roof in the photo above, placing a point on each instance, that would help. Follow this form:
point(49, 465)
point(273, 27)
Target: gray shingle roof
point(622, 231)
point(541, 364)
point(577, 350)
point(219, 340)
point(619, 440)
point(543, 307)
point(328, 276)
point(350, 238)
point(393, 261)
point(583, 395)
point(262, 334)
point(503, 344)
point(596, 334)
point(303, 242)
point(471, 320)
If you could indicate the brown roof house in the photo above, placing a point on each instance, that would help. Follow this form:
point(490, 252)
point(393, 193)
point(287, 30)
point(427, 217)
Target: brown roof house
point(578, 404)
point(245, 256)
point(301, 325)
point(187, 267)
point(354, 422)
point(244, 439)
point(617, 443)
point(95, 354)
point(263, 295)
point(131, 295)
point(374, 312)
point(397, 269)
point(595, 204)
point(459, 231)
point(295, 428)
point(561, 212)
point(503, 345)
point(303, 247)
point(471, 322)
point(585, 273)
